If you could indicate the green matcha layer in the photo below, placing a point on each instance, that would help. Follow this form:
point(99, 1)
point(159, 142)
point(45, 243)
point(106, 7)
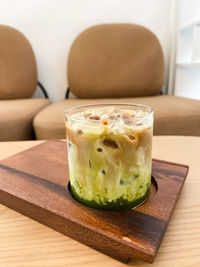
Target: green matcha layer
point(118, 204)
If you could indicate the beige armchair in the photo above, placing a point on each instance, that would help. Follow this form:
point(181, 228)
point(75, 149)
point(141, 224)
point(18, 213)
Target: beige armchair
point(18, 82)
point(120, 63)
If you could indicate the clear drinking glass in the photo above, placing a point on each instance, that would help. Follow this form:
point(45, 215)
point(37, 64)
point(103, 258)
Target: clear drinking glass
point(109, 154)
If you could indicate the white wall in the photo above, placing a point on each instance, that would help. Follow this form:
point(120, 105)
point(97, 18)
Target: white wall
point(52, 25)
point(187, 60)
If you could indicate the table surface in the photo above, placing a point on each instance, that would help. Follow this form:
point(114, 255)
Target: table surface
point(25, 242)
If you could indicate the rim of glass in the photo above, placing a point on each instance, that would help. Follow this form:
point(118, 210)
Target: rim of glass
point(67, 112)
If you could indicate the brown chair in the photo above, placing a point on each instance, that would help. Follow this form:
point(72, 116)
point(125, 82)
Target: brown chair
point(18, 82)
point(120, 63)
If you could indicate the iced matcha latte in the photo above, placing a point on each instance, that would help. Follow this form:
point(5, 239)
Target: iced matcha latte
point(109, 154)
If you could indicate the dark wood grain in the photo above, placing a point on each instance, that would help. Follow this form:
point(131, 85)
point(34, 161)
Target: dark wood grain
point(35, 183)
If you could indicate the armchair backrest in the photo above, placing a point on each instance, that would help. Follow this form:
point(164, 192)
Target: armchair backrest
point(18, 72)
point(115, 60)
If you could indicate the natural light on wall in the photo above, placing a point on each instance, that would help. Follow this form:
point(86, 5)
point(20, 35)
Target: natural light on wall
point(187, 65)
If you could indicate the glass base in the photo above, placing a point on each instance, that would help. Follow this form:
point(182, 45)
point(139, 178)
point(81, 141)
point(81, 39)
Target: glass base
point(119, 204)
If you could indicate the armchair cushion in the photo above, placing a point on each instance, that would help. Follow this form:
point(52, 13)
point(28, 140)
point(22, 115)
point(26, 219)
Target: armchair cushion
point(16, 118)
point(18, 73)
point(115, 60)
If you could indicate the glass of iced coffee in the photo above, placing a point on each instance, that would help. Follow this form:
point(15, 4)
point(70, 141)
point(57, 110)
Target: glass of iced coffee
point(109, 154)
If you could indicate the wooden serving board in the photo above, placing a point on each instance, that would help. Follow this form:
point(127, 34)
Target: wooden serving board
point(35, 183)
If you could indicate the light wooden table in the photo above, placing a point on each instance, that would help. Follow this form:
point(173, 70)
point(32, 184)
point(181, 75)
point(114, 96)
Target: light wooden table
point(26, 243)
